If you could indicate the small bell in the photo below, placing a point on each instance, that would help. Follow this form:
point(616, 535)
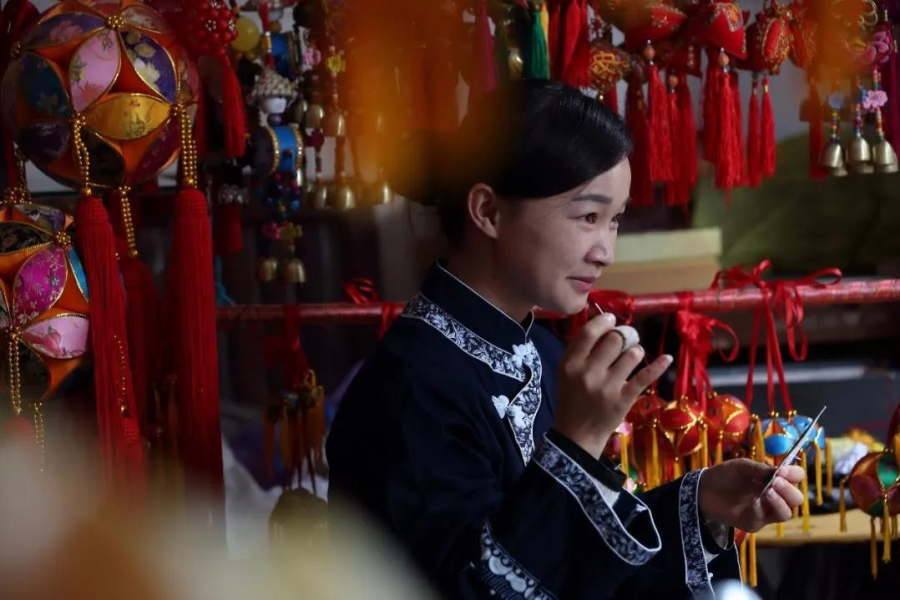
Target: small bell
point(299, 178)
point(293, 271)
point(833, 157)
point(309, 188)
point(859, 155)
point(516, 64)
point(379, 193)
point(267, 270)
point(334, 124)
point(319, 196)
point(884, 157)
point(840, 171)
point(314, 116)
point(297, 111)
point(343, 198)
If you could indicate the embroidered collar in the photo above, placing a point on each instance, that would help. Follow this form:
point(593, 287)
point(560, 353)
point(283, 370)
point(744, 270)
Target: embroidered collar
point(474, 311)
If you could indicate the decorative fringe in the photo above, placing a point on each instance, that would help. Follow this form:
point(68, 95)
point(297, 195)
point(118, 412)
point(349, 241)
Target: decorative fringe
point(675, 195)
point(704, 446)
point(569, 45)
point(659, 139)
point(886, 530)
point(191, 290)
point(711, 99)
point(818, 464)
point(753, 575)
point(120, 442)
point(688, 135)
point(816, 134)
point(740, 155)
point(729, 170)
point(636, 119)
point(623, 441)
point(754, 141)
point(768, 148)
point(779, 528)
point(654, 457)
point(873, 549)
point(804, 488)
point(842, 507)
point(233, 111)
point(829, 468)
point(484, 72)
point(537, 63)
point(719, 447)
point(743, 555)
point(677, 469)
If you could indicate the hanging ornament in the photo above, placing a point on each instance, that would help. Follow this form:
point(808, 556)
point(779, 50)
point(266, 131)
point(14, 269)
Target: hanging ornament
point(884, 157)
point(729, 423)
point(875, 488)
point(609, 65)
point(859, 154)
point(833, 155)
point(648, 438)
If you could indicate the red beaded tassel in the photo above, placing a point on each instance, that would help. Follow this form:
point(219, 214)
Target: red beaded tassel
point(711, 106)
point(729, 168)
point(660, 135)
point(768, 145)
point(754, 139)
point(738, 124)
point(678, 190)
point(636, 119)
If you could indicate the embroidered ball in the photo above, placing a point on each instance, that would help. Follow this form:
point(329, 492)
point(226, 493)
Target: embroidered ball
point(43, 303)
point(117, 65)
point(684, 425)
point(873, 481)
point(729, 421)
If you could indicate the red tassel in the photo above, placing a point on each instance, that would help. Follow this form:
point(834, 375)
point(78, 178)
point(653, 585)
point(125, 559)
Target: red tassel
point(636, 119)
point(121, 447)
point(675, 191)
point(229, 232)
point(754, 138)
point(194, 351)
point(233, 111)
point(816, 134)
point(711, 104)
point(484, 71)
point(739, 127)
point(660, 139)
point(569, 44)
point(611, 100)
point(768, 132)
point(728, 166)
point(688, 135)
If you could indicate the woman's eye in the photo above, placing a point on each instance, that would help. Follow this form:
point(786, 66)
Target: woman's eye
point(590, 218)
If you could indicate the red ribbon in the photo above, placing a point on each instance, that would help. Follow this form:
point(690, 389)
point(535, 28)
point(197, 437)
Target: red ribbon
point(695, 331)
point(363, 291)
point(779, 298)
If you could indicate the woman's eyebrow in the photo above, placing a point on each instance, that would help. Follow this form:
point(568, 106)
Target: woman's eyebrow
point(600, 198)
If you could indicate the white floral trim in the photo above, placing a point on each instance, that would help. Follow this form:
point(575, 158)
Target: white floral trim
point(506, 577)
point(696, 570)
point(586, 492)
point(522, 364)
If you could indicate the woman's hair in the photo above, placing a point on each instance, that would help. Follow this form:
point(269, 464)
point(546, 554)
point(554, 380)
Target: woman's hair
point(526, 139)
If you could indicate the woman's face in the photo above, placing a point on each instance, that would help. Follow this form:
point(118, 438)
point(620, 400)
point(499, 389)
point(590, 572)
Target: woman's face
point(553, 249)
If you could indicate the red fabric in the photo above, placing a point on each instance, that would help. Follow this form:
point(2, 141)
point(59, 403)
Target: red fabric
point(695, 332)
point(363, 291)
point(660, 134)
point(484, 67)
point(711, 109)
point(636, 119)
point(754, 138)
point(569, 44)
point(729, 170)
point(117, 426)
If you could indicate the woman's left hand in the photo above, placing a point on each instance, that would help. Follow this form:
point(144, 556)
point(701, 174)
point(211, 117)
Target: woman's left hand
point(728, 494)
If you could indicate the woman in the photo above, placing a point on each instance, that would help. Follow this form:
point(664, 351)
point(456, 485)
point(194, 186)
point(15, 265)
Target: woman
point(476, 438)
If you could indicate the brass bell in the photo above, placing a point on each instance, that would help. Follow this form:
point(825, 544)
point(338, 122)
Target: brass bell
point(884, 157)
point(859, 152)
point(516, 64)
point(267, 270)
point(840, 171)
point(297, 111)
point(833, 157)
point(293, 271)
point(379, 193)
point(319, 197)
point(334, 124)
point(343, 198)
point(313, 117)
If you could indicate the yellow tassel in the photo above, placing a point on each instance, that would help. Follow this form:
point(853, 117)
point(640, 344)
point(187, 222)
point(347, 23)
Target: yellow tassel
point(654, 456)
point(886, 530)
point(873, 551)
point(676, 468)
point(758, 440)
point(720, 455)
point(842, 507)
point(545, 24)
point(779, 530)
point(753, 578)
point(894, 531)
point(743, 552)
point(829, 467)
point(804, 488)
point(623, 441)
point(819, 500)
point(704, 446)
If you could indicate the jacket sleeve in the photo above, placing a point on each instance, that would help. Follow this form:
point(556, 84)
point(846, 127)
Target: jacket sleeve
point(565, 529)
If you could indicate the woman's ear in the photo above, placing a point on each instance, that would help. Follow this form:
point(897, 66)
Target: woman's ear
point(483, 209)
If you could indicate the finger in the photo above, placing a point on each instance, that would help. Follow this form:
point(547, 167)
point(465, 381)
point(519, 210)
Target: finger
point(775, 507)
point(790, 494)
point(580, 347)
point(625, 364)
point(646, 376)
point(792, 473)
point(607, 351)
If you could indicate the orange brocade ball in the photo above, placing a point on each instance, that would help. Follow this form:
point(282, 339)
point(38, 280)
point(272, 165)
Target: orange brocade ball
point(119, 67)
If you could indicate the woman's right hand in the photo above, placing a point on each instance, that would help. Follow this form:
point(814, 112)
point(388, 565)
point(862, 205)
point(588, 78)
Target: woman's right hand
point(594, 393)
